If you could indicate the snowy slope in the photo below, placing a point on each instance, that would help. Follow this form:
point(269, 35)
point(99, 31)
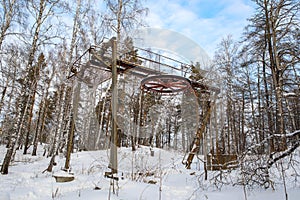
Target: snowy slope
point(138, 171)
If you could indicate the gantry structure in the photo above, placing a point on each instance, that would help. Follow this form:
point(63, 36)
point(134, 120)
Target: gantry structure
point(159, 73)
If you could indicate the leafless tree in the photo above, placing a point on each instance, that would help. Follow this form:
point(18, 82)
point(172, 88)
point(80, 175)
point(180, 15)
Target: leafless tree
point(41, 11)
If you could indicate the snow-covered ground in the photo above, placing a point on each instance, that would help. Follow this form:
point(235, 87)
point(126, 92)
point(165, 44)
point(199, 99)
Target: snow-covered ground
point(141, 177)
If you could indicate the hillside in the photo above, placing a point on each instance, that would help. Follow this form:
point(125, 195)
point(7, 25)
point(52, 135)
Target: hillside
point(140, 177)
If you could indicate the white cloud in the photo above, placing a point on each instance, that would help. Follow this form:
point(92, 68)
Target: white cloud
point(173, 42)
point(205, 21)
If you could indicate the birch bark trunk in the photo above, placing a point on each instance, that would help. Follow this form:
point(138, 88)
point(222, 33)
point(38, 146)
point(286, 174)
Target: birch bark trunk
point(9, 157)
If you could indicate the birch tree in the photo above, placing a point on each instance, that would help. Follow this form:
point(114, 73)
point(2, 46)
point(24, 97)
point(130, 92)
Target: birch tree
point(10, 14)
point(124, 16)
point(34, 74)
point(226, 60)
point(121, 17)
point(273, 29)
point(43, 107)
point(74, 108)
point(40, 11)
point(272, 44)
point(10, 71)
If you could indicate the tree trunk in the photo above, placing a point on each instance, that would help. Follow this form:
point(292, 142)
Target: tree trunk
point(59, 121)
point(3, 95)
point(14, 138)
point(276, 71)
point(30, 114)
point(268, 108)
point(37, 130)
point(102, 117)
point(73, 120)
point(244, 136)
point(24, 95)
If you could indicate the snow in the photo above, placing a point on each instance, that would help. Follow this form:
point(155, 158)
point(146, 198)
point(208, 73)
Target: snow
point(290, 94)
point(136, 170)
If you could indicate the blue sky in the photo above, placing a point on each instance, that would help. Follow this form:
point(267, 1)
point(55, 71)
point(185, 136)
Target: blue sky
point(204, 21)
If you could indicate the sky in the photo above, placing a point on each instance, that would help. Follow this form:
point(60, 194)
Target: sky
point(205, 22)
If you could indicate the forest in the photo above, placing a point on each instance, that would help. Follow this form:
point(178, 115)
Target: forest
point(245, 115)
